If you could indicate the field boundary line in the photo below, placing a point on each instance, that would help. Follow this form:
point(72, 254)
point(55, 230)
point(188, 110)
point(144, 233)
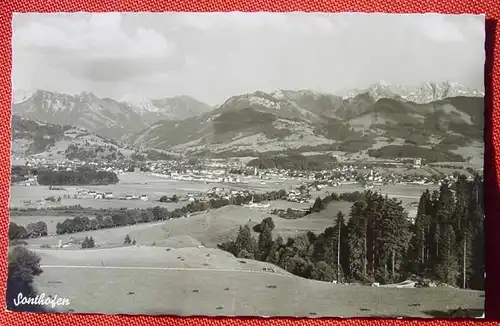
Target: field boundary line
point(167, 269)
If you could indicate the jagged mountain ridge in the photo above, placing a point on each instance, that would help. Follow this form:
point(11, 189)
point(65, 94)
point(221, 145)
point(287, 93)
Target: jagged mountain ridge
point(423, 93)
point(103, 116)
point(301, 120)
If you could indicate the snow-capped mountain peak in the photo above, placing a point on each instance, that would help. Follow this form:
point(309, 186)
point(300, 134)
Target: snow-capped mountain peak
point(142, 103)
point(21, 95)
point(423, 93)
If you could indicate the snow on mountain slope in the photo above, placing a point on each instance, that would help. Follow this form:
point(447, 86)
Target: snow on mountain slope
point(141, 103)
point(21, 95)
point(423, 93)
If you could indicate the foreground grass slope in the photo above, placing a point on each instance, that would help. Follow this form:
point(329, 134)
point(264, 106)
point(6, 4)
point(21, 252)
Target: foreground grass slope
point(236, 293)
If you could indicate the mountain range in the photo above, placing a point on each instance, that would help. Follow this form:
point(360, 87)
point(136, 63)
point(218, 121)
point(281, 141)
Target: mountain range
point(438, 121)
point(104, 116)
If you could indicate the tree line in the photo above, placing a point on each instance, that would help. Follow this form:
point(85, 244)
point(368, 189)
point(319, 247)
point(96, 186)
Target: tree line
point(294, 161)
point(32, 230)
point(80, 177)
point(126, 217)
point(106, 219)
point(378, 243)
point(321, 203)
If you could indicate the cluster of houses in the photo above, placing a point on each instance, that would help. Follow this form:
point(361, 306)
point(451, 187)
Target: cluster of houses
point(289, 213)
point(222, 172)
point(299, 196)
point(107, 195)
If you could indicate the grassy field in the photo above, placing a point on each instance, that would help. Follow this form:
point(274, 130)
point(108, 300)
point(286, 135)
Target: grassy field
point(156, 187)
point(175, 268)
point(208, 228)
point(177, 276)
point(147, 280)
point(137, 184)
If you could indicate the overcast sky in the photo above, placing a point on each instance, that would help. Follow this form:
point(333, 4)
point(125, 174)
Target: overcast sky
point(217, 55)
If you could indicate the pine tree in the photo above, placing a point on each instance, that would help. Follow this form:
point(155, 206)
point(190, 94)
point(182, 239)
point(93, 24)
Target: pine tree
point(465, 252)
point(265, 242)
point(357, 241)
point(448, 268)
point(421, 238)
point(393, 239)
point(318, 205)
point(85, 242)
point(476, 280)
point(476, 219)
point(340, 232)
point(244, 241)
point(445, 205)
point(274, 253)
point(373, 216)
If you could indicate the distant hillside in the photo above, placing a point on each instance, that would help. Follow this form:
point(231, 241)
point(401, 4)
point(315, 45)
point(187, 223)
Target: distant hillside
point(39, 139)
point(260, 123)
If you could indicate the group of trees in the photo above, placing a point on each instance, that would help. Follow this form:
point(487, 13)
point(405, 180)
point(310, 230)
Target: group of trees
point(289, 213)
point(88, 242)
point(32, 230)
point(321, 203)
point(106, 219)
point(295, 161)
point(23, 267)
point(128, 240)
point(448, 234)
point(81, 177)
point(19, 173)
point(378, 243)
point(91, 153)
point(124, 217)
point(436, 154)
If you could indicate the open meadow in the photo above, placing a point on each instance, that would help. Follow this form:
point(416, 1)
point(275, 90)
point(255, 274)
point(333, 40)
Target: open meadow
point(194, 281)
point(137, 184)
point(174, 268)
point(208, 228)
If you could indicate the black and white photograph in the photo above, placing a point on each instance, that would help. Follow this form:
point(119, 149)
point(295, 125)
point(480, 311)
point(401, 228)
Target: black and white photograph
point(247, 164)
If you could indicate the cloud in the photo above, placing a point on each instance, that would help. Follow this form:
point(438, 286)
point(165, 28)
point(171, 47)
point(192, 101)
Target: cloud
point(212, 56)
point(92, 47)
point(441, 30)
point(98, 36)
point(252, 21)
